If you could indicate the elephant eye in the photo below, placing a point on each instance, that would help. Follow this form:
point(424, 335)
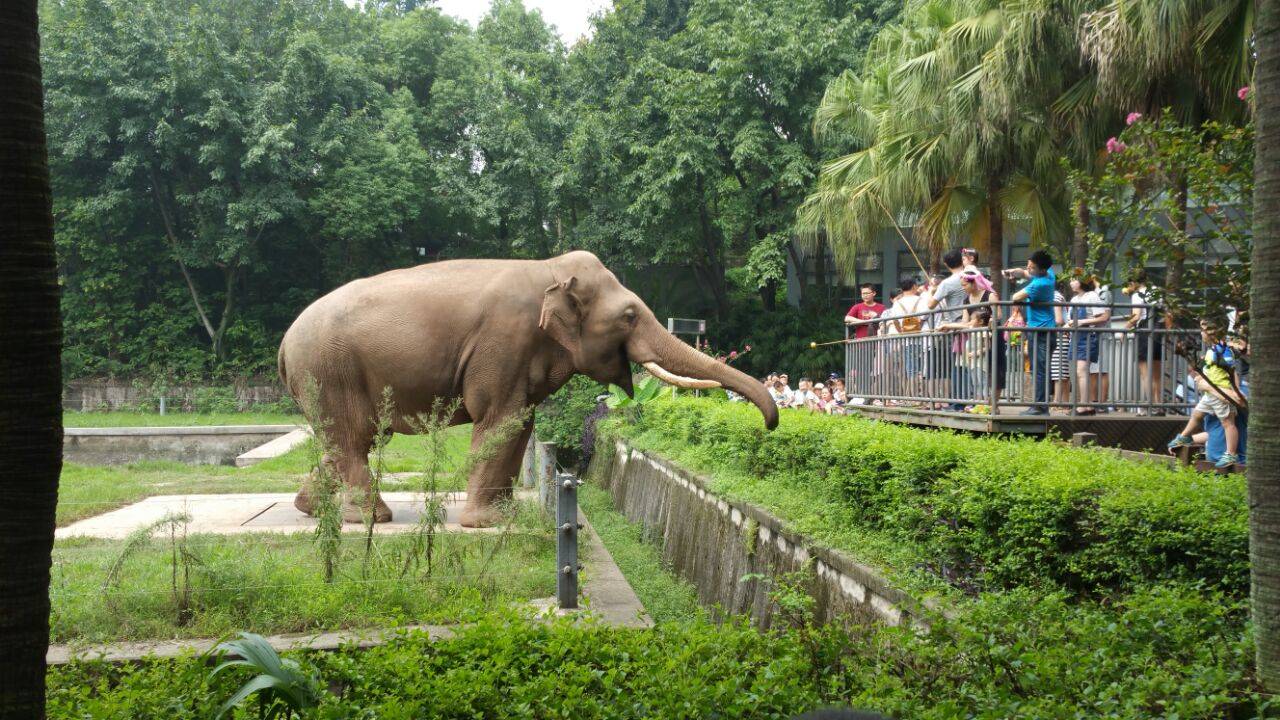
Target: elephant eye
point(629, 315)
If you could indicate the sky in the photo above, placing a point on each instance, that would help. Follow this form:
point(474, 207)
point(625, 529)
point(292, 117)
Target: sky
point(569, 16)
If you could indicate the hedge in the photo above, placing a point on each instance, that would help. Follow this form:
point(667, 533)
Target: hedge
point(982, 513)
point(1159, 653)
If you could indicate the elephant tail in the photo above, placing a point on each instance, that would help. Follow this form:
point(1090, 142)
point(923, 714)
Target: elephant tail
point(284, 376)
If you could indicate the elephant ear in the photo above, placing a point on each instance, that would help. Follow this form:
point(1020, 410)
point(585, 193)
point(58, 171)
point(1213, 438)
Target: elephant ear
point(562, 315)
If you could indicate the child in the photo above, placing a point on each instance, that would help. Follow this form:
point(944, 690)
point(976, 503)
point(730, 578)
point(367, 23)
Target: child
point(1219, 364)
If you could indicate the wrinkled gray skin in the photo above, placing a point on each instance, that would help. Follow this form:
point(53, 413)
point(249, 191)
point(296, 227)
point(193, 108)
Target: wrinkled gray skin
point(501, 335)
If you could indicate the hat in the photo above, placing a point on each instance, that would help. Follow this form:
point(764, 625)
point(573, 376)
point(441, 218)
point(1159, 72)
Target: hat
point(833, 376)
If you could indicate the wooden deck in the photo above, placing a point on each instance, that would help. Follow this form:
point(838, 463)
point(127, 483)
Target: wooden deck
point(1119, 430)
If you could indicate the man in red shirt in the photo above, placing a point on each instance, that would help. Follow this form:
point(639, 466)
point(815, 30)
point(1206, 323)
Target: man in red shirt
point(863, 316)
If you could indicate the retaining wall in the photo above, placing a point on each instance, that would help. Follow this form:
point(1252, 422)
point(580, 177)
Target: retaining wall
point(119, 394)
point(714, 543)
point(206, 445)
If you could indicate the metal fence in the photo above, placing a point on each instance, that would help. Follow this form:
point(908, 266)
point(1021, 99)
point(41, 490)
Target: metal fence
point(957, 363)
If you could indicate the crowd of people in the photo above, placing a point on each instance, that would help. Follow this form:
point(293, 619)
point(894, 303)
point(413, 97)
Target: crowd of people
point(1068, 331)
point(828, 398)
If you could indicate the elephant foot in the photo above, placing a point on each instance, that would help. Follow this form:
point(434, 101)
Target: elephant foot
point(302, 501)
point(479, 516)
point(354, 513)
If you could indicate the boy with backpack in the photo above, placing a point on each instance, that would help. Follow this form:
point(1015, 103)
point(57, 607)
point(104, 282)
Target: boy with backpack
point(905, 323)
point(1218, 395)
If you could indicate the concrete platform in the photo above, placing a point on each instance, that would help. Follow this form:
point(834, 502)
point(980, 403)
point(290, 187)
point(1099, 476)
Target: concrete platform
point(194, 445)
point(228, 514)
point(274, 448)
point(1120, 429)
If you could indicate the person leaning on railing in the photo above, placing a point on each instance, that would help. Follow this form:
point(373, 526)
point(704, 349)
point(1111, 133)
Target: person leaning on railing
point(979, 290)
point(1037, 293)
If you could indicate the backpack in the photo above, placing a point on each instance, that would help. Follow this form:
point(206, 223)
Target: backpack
point(912, 324)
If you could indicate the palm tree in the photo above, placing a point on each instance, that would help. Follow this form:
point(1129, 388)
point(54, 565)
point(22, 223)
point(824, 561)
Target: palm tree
point(1190, 56)
point(30, 370)
point(1264, 415)
point(953, 127)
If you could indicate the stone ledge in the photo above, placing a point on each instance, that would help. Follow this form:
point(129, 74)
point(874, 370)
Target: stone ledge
point(144, 431)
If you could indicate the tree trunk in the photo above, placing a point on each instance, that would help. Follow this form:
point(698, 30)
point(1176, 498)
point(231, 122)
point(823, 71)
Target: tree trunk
point(995, 228)
point(30, 373)
point(1080, 235)
point(1264, 327)
point(798, 265)
point(769, 296)
point(713, 265)
point(1178, 258)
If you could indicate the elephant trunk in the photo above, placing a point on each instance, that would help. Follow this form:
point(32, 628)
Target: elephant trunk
point(672, 361)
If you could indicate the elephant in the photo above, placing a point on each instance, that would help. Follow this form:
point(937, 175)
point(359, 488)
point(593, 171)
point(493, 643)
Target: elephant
point(500, 335)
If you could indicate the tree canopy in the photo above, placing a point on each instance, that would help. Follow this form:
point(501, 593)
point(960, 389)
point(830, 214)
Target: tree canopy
point(217, 165)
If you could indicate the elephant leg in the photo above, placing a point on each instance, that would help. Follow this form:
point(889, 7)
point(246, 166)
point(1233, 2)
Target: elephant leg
point(491, 480)
point(353, 467)
point(304, 501)
point(349, 461)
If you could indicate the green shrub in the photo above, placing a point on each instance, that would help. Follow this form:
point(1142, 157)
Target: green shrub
point(980, 512)
point(215, 400)
point(559, 419)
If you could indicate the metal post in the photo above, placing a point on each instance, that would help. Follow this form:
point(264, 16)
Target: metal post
point(567, 540)
point(161, 404)
point(995, 378)
point(1150, 370)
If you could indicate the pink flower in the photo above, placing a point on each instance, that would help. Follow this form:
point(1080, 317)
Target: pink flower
point(748, 348)
point(1115, 146)
point(1132, 118)
point(1243, 92)
point(733, 354)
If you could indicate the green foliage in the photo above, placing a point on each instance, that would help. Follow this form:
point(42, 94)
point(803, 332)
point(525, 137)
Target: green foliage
point(780, 339)
point(560, 418)
point(1163, 653)
point(1136, 196)
point(280, 685)
point(767, 261)
point(691, 141)
point(643, 393)
point(979, 513)
point(217, 166)
point(215, 400)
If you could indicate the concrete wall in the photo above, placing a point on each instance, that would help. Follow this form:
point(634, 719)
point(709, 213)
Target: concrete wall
point(211, 445)
point(713, 543)
point(118, 394)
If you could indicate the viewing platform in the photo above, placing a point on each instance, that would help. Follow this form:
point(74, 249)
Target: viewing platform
point(1132, 385)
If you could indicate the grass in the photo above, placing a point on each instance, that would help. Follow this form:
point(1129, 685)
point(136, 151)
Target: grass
point(666, 597)
point(273, 583)
point(87, 490)
point(120, 418)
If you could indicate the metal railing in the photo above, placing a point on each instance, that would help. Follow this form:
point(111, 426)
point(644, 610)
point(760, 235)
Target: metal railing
point(1010, 368)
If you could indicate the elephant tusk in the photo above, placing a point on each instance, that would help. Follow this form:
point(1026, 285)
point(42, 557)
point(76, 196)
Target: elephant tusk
point(657, 371)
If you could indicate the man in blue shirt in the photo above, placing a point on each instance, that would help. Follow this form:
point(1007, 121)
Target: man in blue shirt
point(1038, 293)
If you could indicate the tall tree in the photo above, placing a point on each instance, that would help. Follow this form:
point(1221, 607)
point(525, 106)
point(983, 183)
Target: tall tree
point(1264, 414)
point(704, 131)
point(953, 128)
point(30, 374)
